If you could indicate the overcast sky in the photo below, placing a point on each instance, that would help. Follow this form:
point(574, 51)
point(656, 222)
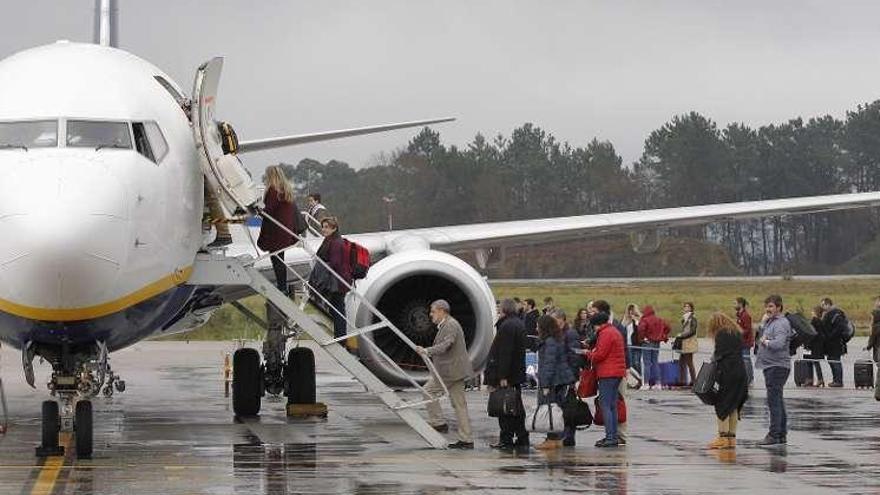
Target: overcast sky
point(615, 70)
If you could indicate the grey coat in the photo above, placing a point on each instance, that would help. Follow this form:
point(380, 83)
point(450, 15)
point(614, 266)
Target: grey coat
point(449, 352)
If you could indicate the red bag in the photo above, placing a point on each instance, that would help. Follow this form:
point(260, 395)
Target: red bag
point(598, 419)
point(588, 386)
point(359, 259)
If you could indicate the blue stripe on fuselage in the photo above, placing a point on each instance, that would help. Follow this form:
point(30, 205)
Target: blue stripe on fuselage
point(117, 330)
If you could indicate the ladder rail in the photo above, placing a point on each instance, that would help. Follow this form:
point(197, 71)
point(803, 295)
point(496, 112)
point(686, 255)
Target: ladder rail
point(352, 364)
point(361, 299)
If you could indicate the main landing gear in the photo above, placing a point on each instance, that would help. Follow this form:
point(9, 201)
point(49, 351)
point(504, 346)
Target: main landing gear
point(79, 372)
point(251, 379)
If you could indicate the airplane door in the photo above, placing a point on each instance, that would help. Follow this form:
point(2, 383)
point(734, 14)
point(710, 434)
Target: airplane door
point(226, 176)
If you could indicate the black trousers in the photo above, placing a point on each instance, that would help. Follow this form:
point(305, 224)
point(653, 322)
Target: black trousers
point(513, 426)
point(280, 269)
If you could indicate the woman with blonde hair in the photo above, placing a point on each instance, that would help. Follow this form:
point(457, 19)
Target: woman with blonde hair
point(731, 377)
point(280, 206)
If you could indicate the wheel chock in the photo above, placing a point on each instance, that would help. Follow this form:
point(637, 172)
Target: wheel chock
point(303, 411)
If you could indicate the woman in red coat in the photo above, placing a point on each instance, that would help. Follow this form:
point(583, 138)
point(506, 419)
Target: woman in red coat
point(609, 363)
point(279, 205)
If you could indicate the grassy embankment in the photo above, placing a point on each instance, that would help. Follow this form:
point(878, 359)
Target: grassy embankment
point(854, 296)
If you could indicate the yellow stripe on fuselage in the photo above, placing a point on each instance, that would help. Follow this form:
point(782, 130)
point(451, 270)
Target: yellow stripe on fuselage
point(108, 308)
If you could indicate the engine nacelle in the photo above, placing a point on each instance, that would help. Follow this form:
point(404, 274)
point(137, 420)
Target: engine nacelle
point(402, 286)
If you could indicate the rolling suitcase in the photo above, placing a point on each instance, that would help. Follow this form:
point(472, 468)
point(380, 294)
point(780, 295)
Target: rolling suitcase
point(863, 373)
point(669, 374)
point(803, 372)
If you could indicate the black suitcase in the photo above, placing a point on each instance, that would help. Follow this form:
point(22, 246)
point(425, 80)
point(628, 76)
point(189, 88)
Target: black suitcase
point(803, 372)
point(863, 373)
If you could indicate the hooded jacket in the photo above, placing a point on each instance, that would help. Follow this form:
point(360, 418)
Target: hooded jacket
point(609, 356)
point(653, 328)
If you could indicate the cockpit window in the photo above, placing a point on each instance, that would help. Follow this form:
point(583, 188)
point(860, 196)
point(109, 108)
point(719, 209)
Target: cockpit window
point(92, 134)
point(30, 134)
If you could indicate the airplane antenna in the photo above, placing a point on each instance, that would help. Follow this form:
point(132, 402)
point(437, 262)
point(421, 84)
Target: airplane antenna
point(106, 23)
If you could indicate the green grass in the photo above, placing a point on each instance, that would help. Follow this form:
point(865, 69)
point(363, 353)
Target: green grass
point(853, 296)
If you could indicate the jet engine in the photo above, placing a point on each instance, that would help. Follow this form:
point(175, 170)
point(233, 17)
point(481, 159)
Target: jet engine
point(402, 287)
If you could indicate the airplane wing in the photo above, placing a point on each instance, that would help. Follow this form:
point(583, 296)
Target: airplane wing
point(537, 231)
point(277, 142)
point(564, 228)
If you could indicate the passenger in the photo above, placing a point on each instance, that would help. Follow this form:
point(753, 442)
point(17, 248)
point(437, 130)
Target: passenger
point(817, 348)
point(217, 218)
point(601, 306)
point(582, 323)
point(688, 343)
point(773, 358)
point(519, 307)
point(280, 206)
point(731, 376)
point(549, 305)
point(506, 368)
point(332, 251)
point(874, 339)
point(531, 317)
point(575, 360)
point(450, 357)
point(554, 372)
point(630, 322)
point(317, 211)
point(609, 361)
point(744, 320)
point(652, 331)
point(835, 325)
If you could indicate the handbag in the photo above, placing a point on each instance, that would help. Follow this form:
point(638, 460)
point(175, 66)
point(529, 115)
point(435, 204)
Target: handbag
point(599, 418)
point(505, 403)
point(576, 412)
point(704, 385)
point(676, 344)
point(588, 385)
point(547, 417)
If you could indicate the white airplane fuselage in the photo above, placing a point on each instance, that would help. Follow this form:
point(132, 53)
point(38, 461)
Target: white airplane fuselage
point(96, 240)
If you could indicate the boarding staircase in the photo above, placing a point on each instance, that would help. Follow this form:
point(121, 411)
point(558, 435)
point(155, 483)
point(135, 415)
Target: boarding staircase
point(215, 268)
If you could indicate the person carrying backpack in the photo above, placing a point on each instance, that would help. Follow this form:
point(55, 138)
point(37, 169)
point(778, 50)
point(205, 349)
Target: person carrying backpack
point(836, 326)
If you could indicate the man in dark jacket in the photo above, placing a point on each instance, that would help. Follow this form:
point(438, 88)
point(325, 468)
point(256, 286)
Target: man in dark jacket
point(874, 339)
point(835, 324)
point(530, 318)
point(506, 368)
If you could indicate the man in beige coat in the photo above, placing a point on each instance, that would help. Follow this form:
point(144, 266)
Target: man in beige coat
point(450, 357)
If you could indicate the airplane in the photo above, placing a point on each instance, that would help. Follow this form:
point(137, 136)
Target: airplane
point(105, 162)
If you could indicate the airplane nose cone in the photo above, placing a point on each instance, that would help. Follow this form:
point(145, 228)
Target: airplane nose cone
point(65, 232)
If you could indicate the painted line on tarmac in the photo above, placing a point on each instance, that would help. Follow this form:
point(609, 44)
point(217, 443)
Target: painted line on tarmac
point(45, 479)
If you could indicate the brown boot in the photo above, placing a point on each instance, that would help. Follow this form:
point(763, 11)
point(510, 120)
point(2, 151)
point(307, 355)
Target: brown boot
point(731, 442)
point(720, 442)
point(549, 444)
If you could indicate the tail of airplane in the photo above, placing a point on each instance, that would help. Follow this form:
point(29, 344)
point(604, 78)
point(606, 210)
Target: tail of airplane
point(106, 32)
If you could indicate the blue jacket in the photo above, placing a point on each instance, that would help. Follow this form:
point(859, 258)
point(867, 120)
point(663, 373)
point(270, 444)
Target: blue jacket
point(553, 366)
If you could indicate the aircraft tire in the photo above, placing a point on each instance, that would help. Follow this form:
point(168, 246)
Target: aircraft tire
point(299, 376)
point(84, 428)
point(51, 425)
point(246, 382)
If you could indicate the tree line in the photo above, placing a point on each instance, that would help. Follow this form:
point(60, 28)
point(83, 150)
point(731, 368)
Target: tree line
point(690, 160)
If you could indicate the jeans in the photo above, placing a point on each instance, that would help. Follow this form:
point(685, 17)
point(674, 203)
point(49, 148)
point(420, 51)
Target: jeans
point(635, 359)
point(651, 368)
point(608, 401)
point(747, 360)
point(337, 300)
point(775, 378)
point(836, 369)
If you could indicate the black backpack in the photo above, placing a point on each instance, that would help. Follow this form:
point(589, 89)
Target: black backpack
point(803, 331)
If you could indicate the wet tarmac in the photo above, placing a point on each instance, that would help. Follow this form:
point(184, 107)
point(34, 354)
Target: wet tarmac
point(173, 432)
